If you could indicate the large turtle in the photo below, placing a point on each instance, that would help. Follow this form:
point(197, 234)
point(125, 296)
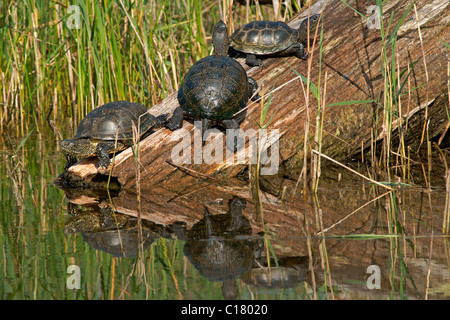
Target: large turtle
point(214, 89)
point(272, 38)
point(99, 130)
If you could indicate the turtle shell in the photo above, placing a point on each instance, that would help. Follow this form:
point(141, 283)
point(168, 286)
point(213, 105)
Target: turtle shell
point(214, 88)
point(115, 119)
point(263, 37)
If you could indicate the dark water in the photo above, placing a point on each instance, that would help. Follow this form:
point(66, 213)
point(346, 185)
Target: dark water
point(352, 241)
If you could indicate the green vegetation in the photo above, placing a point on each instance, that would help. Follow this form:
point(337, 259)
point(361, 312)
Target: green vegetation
point(61, 59)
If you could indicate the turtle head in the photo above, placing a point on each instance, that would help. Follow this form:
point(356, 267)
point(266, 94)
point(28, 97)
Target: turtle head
point(220, 39)
point(78, 148)
point(303, 29)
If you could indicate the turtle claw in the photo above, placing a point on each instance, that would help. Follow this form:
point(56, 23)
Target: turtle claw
point(70, 161)
point(176, 121)
point(104, 163)
point(252, 61)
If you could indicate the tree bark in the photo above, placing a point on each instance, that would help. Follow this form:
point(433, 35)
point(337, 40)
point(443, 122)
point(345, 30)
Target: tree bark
point(351, 71)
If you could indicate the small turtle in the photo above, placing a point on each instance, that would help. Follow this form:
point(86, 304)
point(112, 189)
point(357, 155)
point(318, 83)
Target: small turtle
point(99, 130)
point(214, 89)
point(272, 38)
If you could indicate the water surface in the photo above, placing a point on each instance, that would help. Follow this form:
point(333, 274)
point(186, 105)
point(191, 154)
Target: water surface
point(350, 241)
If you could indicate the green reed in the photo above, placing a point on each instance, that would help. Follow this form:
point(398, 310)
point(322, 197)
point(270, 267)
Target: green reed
point(319, 94)
point(395, 84)
point(115, 52)
point(61, 59)
point(29, 209)
point(389, 102)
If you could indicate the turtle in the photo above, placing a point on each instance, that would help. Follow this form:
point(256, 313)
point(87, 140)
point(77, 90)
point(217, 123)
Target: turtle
point(99, 130)
point(272, 38)
point(215, 89)
point(232, 223)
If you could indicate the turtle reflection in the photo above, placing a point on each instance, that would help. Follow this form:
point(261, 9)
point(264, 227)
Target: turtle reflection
point(221, 247)
point(111, 232)
point(290, 272)
point(92, 218)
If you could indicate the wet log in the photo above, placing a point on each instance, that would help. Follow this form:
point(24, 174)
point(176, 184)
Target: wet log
point(350, 67)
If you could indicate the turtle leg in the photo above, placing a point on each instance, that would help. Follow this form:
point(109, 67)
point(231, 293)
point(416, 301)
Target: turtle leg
point(158, 122)
point(233, 123)
point(161, 120)
point(206, 124)
point(253, 87)
point(252, 61)
point(176, 121)
point(234, 53)
point(299, 51)
point(103, 148)
point(70, 161)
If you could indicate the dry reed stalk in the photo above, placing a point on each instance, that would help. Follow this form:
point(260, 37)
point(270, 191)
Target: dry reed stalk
point(323, 247)
point(318, 139)
point(426, 120)
point(307, 120)
point(446, 220)
point(353, 171)
point(277, 9)
point(429, 266)
point(307, 234)
point(350, 214)
point(191, 172)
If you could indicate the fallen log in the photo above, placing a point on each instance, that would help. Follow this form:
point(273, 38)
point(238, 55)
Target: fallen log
point(350, 67)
